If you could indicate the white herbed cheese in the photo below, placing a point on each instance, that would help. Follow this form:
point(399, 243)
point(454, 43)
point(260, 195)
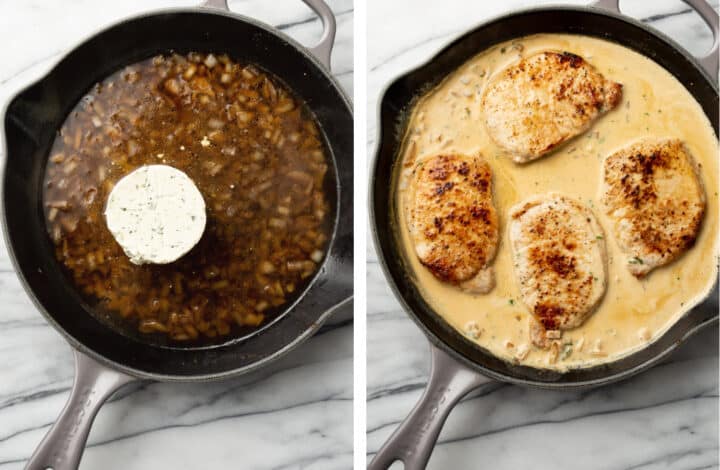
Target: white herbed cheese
point(156, 214)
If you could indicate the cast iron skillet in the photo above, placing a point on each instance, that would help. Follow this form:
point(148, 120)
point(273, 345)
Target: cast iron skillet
point(106, 359)
point(458, 366)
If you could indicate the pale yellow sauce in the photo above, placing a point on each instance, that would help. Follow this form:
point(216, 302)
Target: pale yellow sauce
point(633, 312)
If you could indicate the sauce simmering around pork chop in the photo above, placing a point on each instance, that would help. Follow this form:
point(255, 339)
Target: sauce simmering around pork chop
point(633, 312)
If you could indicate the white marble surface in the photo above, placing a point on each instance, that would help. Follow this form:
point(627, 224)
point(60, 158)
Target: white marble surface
point(295, 414)
point(664, 419)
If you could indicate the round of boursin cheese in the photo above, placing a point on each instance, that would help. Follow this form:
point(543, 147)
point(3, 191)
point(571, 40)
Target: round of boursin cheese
point(156, 214)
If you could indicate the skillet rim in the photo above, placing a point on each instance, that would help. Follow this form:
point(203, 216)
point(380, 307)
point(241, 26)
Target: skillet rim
point(305, 334)
point(555, 380)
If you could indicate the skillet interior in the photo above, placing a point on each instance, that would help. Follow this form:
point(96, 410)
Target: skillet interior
point(394, 113)
point(33, 117)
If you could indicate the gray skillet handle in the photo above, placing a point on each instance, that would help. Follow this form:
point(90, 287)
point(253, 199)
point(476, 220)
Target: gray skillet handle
point(63, 445)
point(709, 62)
point(414, 440)
point(323, 49)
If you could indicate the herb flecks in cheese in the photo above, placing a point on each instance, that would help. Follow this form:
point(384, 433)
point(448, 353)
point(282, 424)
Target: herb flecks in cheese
point(156, 214)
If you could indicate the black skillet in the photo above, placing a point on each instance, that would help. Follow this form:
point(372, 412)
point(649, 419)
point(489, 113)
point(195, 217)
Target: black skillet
point(459, 366)
point(105, 358)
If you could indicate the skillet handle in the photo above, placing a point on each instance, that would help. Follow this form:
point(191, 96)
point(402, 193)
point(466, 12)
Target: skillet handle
point(63, 445)
point(323, 49)
point(414, 440)
point(707, 13)
point(709, 62)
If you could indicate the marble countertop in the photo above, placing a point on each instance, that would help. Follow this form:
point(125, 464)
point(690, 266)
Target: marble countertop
point(666, 418)
point(297, 413)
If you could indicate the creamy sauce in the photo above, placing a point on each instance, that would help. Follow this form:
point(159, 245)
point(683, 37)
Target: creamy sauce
point(633, 312)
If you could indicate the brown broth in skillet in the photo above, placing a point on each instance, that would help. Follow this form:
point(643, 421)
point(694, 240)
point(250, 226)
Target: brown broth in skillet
point(255, 154)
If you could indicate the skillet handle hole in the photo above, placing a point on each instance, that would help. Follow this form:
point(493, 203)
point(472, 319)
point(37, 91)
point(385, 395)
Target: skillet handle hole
point(665, 19)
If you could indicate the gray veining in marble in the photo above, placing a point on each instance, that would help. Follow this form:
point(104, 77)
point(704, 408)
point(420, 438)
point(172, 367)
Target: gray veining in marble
point(664, 419)
point(295, 414)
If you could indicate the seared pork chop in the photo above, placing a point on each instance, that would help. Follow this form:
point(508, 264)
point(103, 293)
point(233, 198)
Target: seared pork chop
point(558, 258)
point(653, 194)
point(544, 100)
point(453, 221)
